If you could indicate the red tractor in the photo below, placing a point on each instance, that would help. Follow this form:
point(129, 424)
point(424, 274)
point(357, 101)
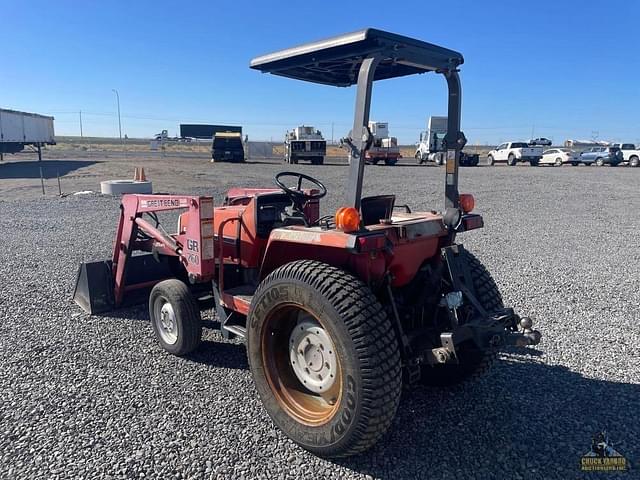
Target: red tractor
point(337, 311)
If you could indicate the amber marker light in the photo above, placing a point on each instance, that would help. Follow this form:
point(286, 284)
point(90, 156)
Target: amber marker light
point(347, 219)
point(467, 202)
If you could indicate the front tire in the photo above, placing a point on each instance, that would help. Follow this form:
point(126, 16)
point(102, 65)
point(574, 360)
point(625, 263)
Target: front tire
point(307, 311)
point(175, 317)
point(490, 160)
point(599, 162)
point(473, 362)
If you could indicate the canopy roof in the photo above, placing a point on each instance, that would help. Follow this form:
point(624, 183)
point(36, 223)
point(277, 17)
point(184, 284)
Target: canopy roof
point(336, 61)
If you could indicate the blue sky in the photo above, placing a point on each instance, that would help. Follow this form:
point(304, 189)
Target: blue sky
point(560, 69)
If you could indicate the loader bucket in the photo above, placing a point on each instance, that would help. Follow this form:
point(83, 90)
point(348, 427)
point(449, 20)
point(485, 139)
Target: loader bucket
point(94, 287)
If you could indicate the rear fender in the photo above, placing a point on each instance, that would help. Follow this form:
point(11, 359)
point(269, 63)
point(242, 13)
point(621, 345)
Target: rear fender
point(332, 247)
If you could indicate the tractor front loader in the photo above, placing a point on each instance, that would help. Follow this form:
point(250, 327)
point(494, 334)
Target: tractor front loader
point(337, 311)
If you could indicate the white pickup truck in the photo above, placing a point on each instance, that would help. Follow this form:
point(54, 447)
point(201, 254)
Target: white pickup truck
point(630, 153)
point(513, 152)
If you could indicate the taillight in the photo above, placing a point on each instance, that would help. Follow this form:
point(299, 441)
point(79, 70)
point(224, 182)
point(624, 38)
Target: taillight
point(369, 243)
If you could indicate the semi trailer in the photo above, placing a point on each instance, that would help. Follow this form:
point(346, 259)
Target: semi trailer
point(20, 129)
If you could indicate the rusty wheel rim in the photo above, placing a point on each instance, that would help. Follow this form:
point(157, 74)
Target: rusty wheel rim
point(301, 365)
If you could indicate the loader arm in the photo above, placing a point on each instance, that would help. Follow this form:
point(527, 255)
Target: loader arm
point(194, 247)
point(145, 254)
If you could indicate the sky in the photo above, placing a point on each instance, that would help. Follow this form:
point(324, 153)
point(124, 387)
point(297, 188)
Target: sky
point(558, 69)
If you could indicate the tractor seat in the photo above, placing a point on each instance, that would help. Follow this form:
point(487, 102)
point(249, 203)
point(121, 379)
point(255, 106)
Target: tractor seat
point(376, 208)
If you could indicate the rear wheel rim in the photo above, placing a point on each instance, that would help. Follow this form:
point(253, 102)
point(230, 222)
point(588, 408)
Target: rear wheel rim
point(301, 365)
point(165, 319)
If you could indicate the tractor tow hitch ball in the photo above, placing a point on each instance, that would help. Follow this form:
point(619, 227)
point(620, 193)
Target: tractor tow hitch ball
point(526, 323)
point(528, 336)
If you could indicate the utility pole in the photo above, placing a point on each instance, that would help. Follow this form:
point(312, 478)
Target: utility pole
point(331, 133)
point(119, 122)
point(81, 136)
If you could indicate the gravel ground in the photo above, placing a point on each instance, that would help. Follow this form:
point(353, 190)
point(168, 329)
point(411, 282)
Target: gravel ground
point(95, 396)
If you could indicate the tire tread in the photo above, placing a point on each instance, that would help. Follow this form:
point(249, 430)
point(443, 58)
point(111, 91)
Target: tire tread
point(373, 337)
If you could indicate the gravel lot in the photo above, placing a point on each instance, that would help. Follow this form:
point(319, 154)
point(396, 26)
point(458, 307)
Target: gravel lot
point(95, 397)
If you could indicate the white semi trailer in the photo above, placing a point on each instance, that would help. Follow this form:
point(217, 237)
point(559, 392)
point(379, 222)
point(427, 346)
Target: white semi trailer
point(19, 129)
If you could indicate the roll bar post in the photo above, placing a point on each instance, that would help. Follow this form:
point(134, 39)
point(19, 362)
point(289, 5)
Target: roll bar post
point(360, 131)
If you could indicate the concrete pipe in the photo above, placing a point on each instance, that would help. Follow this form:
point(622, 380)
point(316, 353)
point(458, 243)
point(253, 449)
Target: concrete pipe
point(119, 187)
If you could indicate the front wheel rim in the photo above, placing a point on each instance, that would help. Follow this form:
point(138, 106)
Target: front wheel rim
point(301, 365)
point(165, 320)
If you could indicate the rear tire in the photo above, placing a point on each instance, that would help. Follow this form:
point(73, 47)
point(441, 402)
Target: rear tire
point(533, 163)
point(558, 162)
point(511, 160)
point(575, 164)
point(634, 161)
point(363, 354)
point(473, 362)
point(390, 162)
point(175, 317)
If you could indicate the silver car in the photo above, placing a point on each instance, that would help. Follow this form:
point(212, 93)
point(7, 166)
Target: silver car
point(602, 155)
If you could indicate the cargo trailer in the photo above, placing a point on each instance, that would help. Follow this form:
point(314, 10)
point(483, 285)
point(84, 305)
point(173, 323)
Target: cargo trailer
point(19, 129)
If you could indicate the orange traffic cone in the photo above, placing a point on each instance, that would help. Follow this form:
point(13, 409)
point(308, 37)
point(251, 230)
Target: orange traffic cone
point(135, 174)
point(142, 176)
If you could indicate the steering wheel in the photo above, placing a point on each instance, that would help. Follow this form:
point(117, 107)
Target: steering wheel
point(298, 196)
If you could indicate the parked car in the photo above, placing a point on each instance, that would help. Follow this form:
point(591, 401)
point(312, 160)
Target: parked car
point(602, 155)
point(545, 142)
point(558, 156)
point(513, 152)
point(630, 153)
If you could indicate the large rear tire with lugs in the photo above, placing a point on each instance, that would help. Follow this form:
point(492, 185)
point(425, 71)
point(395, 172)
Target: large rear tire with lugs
point(473, 362)
point(324, 357)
